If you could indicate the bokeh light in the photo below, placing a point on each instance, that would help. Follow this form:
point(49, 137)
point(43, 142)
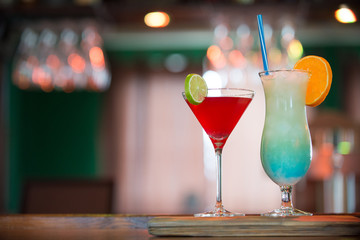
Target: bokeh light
point(344, 147)
point(236, 76)
point(226, 43)
point(49, 59)
point(237, 59)
point(157, 19)
point(53, 61)
point(345, 15)
point(76, 62)
point(213, 79)
point(42, 77)
point(295, 50)
point(176, 63)
point(97, 57)
point(216, 56)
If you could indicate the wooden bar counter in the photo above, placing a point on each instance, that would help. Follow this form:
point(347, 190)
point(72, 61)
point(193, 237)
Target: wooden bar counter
point(80, 226)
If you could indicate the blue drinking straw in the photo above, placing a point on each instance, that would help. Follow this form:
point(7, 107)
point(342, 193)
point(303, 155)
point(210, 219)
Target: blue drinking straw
point(262, 43)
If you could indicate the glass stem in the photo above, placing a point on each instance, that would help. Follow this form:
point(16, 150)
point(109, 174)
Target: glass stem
point(286, 199)
point(218, 153)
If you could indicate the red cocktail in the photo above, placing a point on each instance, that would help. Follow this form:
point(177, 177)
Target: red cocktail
point(218, 114)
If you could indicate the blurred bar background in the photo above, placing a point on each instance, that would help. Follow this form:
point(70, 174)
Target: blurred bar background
point(93, 121)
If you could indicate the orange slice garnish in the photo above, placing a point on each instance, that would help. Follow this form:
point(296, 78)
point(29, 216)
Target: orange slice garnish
point(319, 81)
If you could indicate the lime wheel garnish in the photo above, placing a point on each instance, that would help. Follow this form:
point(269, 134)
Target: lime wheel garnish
point(195, 88)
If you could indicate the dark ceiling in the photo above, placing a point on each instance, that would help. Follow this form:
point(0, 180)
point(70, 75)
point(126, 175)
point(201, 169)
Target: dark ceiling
point(186, 12)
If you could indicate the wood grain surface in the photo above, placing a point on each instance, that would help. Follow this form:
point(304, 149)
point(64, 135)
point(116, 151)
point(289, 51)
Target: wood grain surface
point(73, 227)
point(320, 225)
point(139, 227)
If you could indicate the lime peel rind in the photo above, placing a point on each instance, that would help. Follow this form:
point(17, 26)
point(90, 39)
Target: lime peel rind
point(195, 89)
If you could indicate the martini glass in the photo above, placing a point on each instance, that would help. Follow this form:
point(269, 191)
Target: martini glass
point(218, 114)
point(286, 144)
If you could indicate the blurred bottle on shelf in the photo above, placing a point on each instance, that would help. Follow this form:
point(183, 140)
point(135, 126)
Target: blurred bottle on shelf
point(63, 59)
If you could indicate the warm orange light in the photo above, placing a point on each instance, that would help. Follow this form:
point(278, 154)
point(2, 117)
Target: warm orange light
point(345, 15)
point(42, 78)
point(237, 59)
point(53, 61)
point(157, 19)
point(37, 74)
point(216, 56)
point(76, 62)
point(97, 57)
point(213, 52)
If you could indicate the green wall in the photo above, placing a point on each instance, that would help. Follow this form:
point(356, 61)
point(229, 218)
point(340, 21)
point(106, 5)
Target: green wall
point(52, 135)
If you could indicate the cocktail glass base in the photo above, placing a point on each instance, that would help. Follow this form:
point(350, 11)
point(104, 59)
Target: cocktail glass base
point(286, 212)
point(219, 212)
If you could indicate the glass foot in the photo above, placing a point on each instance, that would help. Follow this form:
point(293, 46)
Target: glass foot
point(285, 212)
point(219, 212)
